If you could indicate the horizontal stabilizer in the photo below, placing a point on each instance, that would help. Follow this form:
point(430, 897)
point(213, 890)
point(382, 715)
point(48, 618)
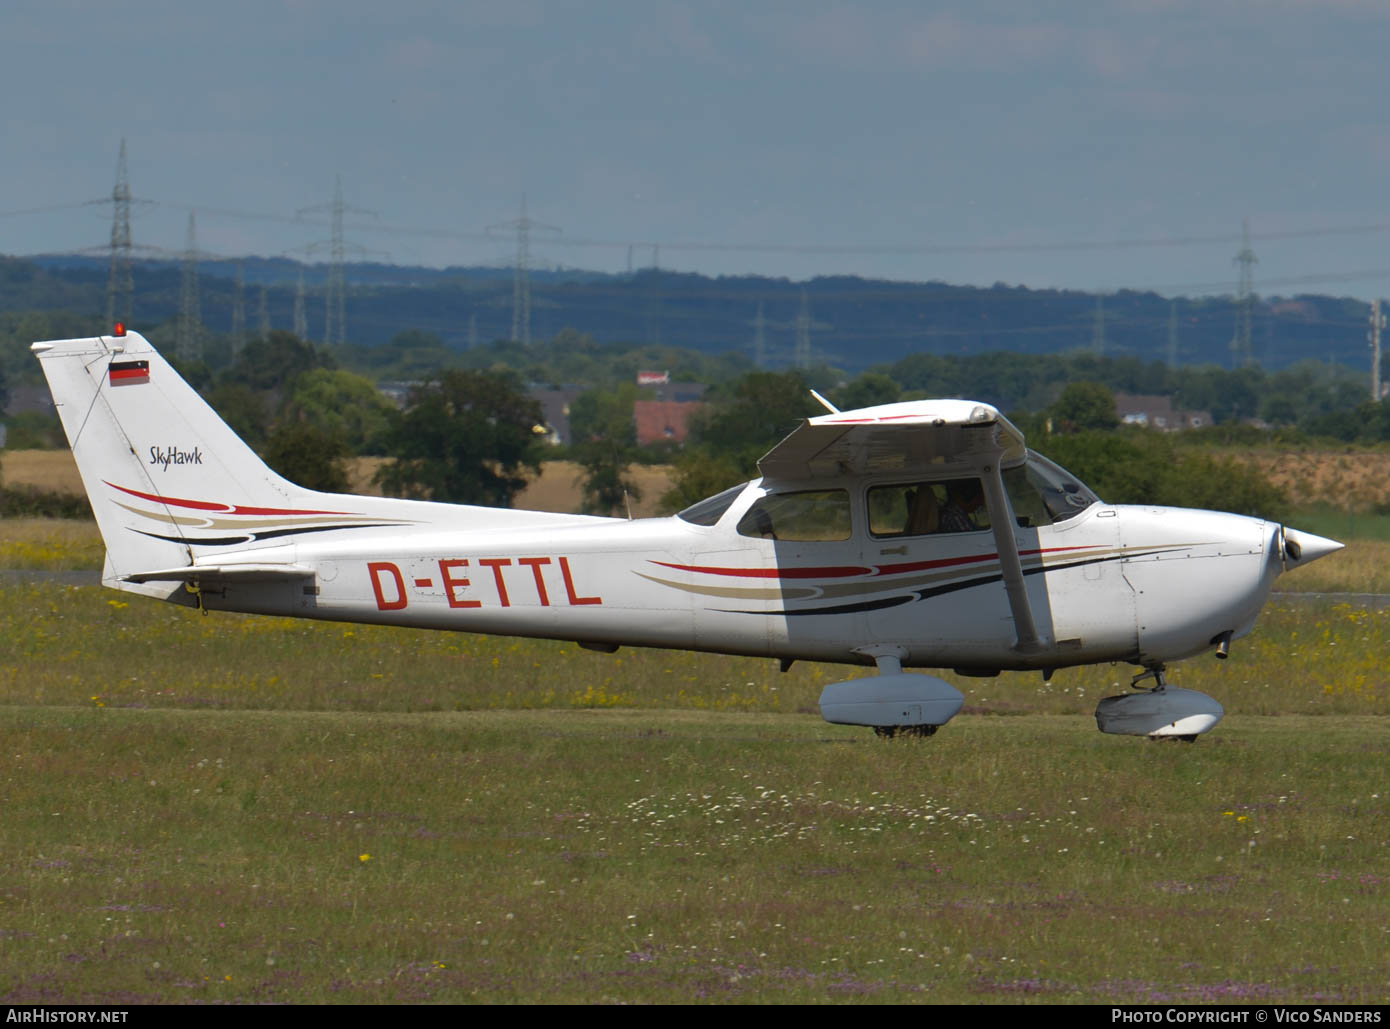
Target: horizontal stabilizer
point(224, 573)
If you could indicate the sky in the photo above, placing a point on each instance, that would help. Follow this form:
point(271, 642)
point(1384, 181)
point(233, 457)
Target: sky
point(1086, 145)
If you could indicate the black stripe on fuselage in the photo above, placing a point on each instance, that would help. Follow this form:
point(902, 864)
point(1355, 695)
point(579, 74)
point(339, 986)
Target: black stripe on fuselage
point(229, 541)
point(927, 592)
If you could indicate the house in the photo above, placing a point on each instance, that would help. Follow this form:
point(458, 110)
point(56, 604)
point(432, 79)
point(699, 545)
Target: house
point(664, 421)
point(1157, 412)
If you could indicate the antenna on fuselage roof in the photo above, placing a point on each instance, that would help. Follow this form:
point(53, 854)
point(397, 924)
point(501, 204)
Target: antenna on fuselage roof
point(825, 403)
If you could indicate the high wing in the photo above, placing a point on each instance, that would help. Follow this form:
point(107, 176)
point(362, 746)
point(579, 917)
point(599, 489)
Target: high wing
point(914, 438)
point(922, 438)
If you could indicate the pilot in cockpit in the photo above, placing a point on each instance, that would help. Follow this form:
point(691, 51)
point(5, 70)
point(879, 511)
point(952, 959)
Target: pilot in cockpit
point(963, 498)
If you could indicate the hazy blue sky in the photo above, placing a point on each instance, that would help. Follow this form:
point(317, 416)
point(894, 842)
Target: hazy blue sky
point(964, 141)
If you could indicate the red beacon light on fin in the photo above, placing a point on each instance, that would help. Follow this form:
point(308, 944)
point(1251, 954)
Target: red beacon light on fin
point(119, 330)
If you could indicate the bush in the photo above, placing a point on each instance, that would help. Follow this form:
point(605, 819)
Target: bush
point(32, 502)
point(1144, 467)
point(34, 430)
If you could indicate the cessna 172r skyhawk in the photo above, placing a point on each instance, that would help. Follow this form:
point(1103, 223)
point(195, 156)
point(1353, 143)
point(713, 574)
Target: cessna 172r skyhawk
point(919, 534)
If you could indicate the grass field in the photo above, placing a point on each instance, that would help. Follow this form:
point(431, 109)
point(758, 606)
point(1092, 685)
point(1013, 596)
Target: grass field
point(243, 809)
point(232, 808)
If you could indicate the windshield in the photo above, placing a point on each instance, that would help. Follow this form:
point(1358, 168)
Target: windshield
point(1042, 492)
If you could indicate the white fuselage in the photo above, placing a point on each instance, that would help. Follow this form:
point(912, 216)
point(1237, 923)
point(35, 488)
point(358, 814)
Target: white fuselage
point(1137, 584)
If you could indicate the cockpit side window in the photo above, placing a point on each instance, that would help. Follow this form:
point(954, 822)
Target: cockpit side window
point(809, 516)
point(926, 508)
point(711, 509)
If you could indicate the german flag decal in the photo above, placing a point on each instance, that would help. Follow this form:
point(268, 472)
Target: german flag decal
point(129, 373)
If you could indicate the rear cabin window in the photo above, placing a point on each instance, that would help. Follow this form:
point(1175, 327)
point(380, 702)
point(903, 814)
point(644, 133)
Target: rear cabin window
point(815, 515)
point(927, 508)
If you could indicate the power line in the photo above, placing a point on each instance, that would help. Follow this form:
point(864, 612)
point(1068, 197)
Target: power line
point(1242, 348)
point(335, 289)
point(301, 319)
point(521, 277)
point(869, 249)
point(238, 311)
point(190, 337)
point(654, 299)
point(49, 208)
point(120, 284)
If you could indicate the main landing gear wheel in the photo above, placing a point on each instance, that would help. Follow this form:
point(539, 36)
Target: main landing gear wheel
point(920, 732)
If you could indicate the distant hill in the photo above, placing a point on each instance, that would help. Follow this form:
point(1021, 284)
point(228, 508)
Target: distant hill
point(855, 323)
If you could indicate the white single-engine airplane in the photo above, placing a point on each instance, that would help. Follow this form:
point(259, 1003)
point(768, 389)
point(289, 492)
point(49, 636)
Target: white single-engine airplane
point(919, 534)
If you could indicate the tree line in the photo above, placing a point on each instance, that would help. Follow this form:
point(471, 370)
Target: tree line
point(468, 429)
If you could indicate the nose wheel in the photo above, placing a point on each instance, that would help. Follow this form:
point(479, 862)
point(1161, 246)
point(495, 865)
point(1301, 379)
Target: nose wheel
point(1159, 711)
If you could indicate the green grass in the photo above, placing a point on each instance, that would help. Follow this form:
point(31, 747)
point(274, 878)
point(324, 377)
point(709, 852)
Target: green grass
point(230, 808)
point(50, 544)
point(625, 856)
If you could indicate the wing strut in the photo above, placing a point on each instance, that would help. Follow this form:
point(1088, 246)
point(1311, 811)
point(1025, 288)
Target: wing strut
point(1001, 518)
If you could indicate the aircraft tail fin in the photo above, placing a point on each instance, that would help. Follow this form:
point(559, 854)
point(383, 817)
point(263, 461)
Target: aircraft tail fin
point(168, 480)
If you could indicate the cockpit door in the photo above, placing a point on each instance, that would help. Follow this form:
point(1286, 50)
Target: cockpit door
point(936, 586)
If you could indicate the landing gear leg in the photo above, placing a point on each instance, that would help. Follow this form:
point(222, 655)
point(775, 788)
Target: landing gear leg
point(1155, 673)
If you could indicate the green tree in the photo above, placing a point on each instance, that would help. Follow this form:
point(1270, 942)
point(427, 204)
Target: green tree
point(308, 455)
point(343, 404)
point(464, 437)
point(605, 439)
point(243, 409)
point(272, 364)
point(1084, 405)
point(746, 419)
point(869, 390)
point(411, 354)
point(697, 475)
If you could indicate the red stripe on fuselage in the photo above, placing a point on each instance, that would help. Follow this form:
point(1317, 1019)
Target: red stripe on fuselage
point(203, 505)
